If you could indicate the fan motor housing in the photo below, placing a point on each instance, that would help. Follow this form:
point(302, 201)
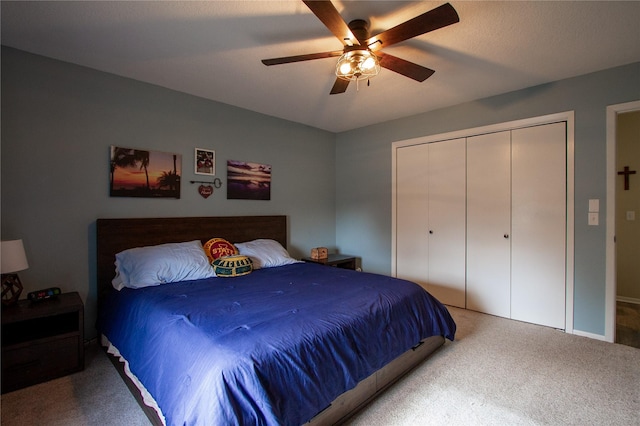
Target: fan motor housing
point(360, 29)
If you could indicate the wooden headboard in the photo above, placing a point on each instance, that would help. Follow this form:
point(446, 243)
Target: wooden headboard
point(115, 235)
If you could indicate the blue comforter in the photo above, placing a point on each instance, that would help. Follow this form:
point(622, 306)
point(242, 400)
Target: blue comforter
point(274, 347)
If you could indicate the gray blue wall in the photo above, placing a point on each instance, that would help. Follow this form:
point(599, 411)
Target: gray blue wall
point(363, 171)
point(58, 122)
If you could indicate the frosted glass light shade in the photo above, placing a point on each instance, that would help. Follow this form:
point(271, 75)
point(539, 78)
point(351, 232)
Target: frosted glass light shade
point(357, 64)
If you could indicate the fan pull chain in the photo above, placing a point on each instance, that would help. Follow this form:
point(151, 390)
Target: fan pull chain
point(358, 83)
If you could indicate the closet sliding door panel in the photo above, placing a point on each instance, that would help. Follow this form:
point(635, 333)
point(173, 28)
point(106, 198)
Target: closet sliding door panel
point(412, 217)
point(447, 181)
point(539, 225)
point(489, 223)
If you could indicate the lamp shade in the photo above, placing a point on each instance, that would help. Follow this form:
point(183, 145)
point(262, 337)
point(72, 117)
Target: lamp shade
point(12, 256)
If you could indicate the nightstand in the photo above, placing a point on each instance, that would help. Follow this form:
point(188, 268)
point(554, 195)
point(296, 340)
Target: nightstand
point(338, 260)
point(42, 340)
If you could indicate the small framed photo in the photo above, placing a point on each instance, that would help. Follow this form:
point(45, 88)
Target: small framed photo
point(205, 162)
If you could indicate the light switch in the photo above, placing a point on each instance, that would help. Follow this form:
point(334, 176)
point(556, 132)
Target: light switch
point(631, 215)
point(593, 219)
point(594, 206)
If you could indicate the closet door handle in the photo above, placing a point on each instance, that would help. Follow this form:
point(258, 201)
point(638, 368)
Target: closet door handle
point(506, 236)
point(431, 231)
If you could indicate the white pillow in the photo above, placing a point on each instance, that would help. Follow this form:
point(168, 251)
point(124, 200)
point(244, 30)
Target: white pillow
point(166, 263)
point(265, 253)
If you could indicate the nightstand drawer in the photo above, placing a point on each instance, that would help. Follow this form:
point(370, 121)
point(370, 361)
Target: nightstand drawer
point(25, 365)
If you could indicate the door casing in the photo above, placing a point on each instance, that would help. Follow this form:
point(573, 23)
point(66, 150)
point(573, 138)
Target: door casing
point(610, 265)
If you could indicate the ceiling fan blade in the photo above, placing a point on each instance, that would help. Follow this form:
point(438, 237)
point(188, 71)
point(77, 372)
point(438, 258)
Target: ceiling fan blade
point(340, 86)
point(300, 58)
point(330, 17)
point(436, 18)
point(406, 68)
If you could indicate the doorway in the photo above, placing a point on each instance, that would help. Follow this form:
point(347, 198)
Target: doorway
point(622, 323)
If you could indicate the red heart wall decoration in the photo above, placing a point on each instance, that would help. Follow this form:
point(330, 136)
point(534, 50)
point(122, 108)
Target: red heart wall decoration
point(205, 190)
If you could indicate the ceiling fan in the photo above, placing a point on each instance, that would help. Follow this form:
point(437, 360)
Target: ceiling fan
point(361, 57)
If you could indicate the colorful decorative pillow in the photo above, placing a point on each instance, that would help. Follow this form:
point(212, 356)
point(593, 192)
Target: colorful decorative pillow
point(232, 266)
point(162, 264)
point(219, 247)
point(265, 253)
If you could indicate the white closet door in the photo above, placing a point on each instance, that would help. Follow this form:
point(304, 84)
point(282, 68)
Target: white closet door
point(412, 250)
point(447, 187)
point(539, 225)
point(489, 223)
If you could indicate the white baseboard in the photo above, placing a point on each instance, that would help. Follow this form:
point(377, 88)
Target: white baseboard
point(591, 335)
point(628, 300)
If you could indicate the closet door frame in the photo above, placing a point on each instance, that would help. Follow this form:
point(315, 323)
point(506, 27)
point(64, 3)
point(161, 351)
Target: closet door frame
point(568, 117)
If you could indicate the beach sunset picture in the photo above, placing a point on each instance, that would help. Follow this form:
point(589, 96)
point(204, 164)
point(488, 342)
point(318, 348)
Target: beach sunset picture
point(248, 181)
point(140, 173)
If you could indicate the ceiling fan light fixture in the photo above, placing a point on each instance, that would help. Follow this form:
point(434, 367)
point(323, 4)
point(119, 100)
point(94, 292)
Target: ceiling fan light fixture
point(357, 60)
point(357, 64)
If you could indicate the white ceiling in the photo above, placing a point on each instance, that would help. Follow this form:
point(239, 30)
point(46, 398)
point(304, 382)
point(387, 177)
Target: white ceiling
point(213, 49)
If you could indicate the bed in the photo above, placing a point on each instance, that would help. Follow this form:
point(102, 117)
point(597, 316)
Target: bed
point(280, 345)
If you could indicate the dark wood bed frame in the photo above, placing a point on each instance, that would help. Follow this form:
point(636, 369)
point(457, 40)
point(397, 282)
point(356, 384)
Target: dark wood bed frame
point(115, 235)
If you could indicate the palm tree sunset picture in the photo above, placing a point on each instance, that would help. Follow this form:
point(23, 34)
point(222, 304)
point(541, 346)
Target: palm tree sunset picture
point(141, 173)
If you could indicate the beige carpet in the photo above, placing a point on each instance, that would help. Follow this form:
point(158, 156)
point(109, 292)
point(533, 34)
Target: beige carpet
point(497, 372)
point(502, 372)
point(95, 396)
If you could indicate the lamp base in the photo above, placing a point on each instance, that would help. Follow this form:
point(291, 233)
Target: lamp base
point(11, 289)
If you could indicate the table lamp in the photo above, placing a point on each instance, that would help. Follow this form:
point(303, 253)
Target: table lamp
point(12, 259)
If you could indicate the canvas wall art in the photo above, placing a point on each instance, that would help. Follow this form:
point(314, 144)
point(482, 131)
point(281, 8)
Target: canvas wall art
point(248, 181)
point(142, 173)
